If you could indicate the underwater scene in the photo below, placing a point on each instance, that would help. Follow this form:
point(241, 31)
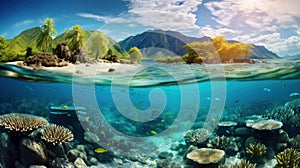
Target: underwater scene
point(250, 118)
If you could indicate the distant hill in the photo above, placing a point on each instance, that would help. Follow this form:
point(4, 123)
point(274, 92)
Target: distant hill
point(117, 49)
point(292, 56)
point(25, 39)
point(28, 38)
point(158, 42)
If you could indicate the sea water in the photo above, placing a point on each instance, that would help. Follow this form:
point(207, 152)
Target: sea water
point(154, 107)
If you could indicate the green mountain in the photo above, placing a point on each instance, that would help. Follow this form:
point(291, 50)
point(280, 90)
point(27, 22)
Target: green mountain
point(25, 39)
point(158, 42)
point(28, 38)
point(112, 44)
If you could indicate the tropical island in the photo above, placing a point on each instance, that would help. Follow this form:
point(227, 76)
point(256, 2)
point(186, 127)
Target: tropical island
point(37, 48)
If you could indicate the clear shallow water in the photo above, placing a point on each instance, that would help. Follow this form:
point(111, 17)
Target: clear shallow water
point(154, 107)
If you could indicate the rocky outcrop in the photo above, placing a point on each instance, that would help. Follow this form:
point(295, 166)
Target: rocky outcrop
point(112, 58)
point(32, 152)
point(44, 59)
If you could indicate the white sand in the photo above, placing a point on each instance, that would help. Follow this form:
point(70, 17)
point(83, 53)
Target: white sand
point(88, 70)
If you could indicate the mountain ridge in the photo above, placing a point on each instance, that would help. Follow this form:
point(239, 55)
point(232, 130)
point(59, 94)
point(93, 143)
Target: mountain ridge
point(156, 42)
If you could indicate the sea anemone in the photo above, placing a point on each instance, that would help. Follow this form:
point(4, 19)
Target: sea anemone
point(243, 164)
point(56, 134)
point(256, 150)
point(207, 156)
point(288, 158)
point(21, 122)
point(197, 137)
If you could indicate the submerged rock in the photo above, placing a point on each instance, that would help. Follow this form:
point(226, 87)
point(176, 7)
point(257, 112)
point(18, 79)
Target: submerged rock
point(32, 152)
point(91, 138)
point(79, 163)
point(8, 152)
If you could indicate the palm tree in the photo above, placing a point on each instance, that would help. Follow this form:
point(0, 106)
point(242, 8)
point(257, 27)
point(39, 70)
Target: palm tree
point(76, 37)
point(45, 40)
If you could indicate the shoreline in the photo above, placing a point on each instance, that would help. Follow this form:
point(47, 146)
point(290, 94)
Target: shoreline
point(85, 69)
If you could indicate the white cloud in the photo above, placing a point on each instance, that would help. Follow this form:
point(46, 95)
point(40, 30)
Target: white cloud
point(24, 23)
point(167, 14)
point(258, 14)
point(211, 32)
point(259, 40)
point(289, 46)
point(105, 19)
point(298, 31)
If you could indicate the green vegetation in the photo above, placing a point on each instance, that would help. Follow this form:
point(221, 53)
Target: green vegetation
point(170, 60)
point(135, 54)
point(45, 41)
point(75, 37)
point(97, 45)
point(215, 51)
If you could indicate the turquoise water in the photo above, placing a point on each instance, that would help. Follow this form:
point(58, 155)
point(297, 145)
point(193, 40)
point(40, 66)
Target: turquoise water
point(156, 103)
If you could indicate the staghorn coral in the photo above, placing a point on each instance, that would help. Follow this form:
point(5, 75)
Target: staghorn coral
point(197, 137)
point(243, 164)
point(287, 114)
point(229, 144)
point(56, 134)
point(255, 151)
point(289, 158)
point(21, 122)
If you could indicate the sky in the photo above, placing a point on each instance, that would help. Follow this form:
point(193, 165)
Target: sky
point(274, 24)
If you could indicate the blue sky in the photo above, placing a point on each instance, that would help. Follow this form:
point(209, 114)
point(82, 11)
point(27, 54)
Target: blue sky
point(272, 23)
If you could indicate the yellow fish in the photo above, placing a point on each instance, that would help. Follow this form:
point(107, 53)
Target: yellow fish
point(153, 132)
point(102, 132)
point(64, 106)
point(87, 118)
point(162, 120)
point(100, 150)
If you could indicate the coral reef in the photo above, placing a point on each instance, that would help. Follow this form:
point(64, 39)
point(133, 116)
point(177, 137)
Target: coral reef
point(21, 122)
point(56, 134)
point(295, 142)
point(288, 158)
point(207, 156)
point(255, 152)
point(288, 114)
point(267, 125)
point(229, 144)
point(243, 164)
point(197, 137)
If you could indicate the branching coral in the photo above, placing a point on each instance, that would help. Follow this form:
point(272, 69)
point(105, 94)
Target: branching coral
point(229, 144)
point(243, 164)
point(56, 134)
point(286, 114)
point(21, 122)
point(289, 158)
point(256, 150)
point(196, 137)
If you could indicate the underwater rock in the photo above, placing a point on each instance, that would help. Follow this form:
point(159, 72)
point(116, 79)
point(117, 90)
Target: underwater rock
point(79, 163)
point(165, 163)
point(18, 164)
point(32, 152)
point(73, 154)
point(165, 155)
point(207, 157)
point(91, 138)
point(280, 147)
point(242, 131)
point(93, 161)
point(8, 152)
point(283, 137)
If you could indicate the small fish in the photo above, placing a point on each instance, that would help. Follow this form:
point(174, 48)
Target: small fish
point(100, 150)
point(217, 99)
point(171, 116)
point(153, 132)
point(69, 115)
point(87, 118)
point(162, 120)
point(64, 106)
point(214, 119)
point(102, 132)
point(208, 98)
point(267, 89)
point(237, 100)
point(168, 112)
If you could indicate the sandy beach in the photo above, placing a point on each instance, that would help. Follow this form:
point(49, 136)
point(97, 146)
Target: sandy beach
point(87, 69)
